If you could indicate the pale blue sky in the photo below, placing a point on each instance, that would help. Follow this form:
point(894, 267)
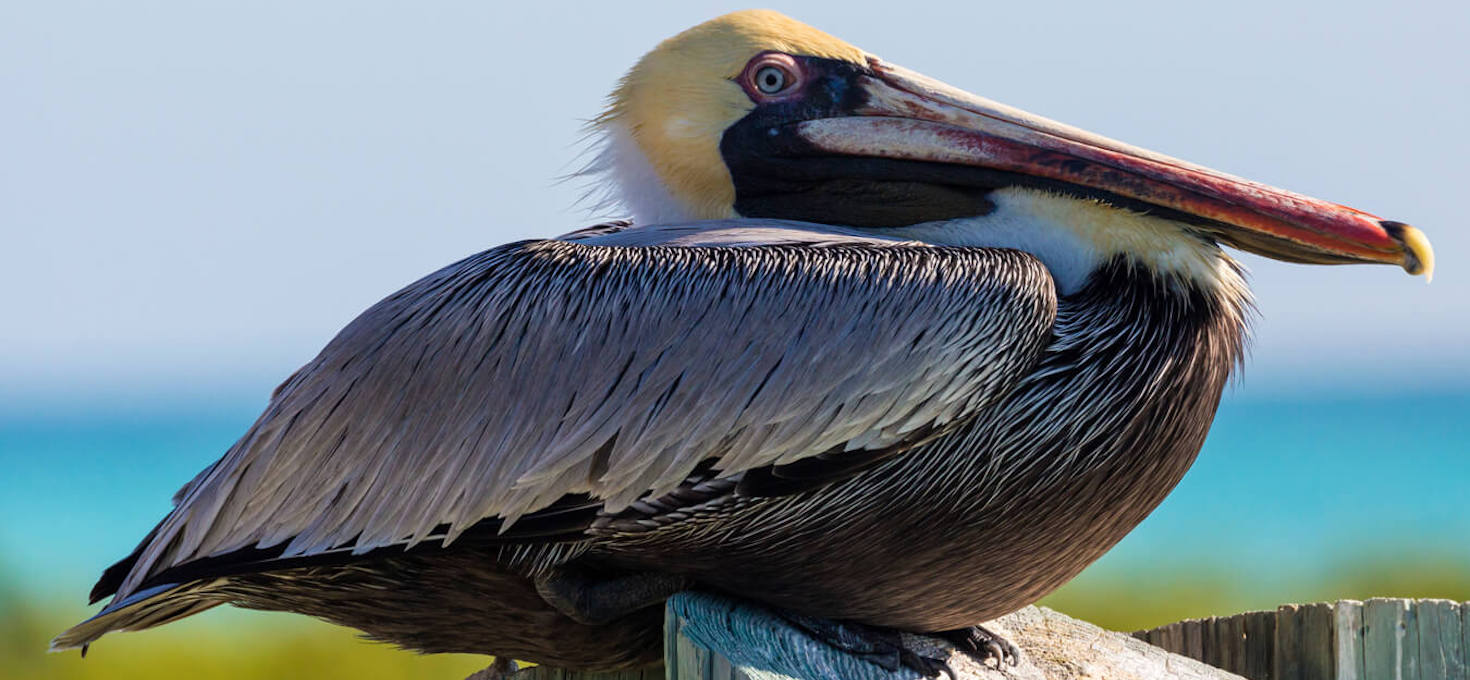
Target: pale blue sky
point(195, 196)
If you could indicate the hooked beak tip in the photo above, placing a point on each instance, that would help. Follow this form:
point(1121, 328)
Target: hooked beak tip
point(1418, 254)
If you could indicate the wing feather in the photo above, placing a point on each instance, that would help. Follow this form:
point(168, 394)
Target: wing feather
point(509, 380)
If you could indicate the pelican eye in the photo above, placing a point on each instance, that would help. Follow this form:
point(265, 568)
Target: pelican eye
point(771, 76)
point(771, 79)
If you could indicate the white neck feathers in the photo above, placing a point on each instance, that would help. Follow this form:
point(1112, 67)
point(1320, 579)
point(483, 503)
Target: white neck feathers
point(630, 185)
point(1072, 237)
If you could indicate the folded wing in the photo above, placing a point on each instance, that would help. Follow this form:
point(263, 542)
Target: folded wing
point(509, 380)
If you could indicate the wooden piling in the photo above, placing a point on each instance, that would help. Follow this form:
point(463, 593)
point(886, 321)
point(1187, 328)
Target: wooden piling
point(1348, 640)
point(1260, 645)
point(1441, 641)
point(1388, 639)
point(1317, 653)
point(1286, 663)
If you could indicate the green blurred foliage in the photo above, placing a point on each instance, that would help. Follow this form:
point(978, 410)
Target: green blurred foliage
point(222, 644)
point(227, 644)
point(1136, 600)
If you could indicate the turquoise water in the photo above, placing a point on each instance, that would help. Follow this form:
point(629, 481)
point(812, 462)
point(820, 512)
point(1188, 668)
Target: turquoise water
point(1286, 487)
point(1298, 488)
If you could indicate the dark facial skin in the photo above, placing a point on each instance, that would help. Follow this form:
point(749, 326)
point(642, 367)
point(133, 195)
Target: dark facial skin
point(777, 174)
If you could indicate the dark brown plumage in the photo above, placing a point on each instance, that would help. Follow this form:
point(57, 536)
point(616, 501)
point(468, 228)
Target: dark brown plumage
point(971, 525)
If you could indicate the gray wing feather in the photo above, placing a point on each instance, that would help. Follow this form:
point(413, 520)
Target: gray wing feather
point(501, 383)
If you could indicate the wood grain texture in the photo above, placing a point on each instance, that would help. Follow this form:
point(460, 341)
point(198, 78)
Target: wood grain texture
point(1174, 637)
point(1409, 664)
point(1315, 642)
point(1210, 635)
point(1465, 635)
point(1348, 640)
point(690, 660)
point(1441, 641)
point(1287, 663)
point(1260, 644)
point(1385, 640)
point(1194, 643)
point(739, 641)
point(1392, 639)
point(1233, 643)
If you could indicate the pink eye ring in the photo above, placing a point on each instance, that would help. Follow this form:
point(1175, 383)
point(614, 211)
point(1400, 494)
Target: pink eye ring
point(771, 76)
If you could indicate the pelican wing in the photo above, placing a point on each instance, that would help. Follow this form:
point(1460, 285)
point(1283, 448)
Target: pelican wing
point(509, 380)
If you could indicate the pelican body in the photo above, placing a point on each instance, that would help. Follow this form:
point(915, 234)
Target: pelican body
point(873, 349)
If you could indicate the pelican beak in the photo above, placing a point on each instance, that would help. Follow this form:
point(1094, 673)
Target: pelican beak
point(906, 117)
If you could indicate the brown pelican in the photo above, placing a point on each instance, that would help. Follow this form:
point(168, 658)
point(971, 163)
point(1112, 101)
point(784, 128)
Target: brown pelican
point(873, 350)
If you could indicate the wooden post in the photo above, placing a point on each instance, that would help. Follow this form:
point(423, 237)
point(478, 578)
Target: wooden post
point(1317, 657)
point(1387, 650)
point(1234, 654)
point(1260, 645)
point(1348, 641)
point(1194, 639)
point(1286, 662)
point(1441, 641)
point(1410, 668)
point(713, 638)
point(1465, 635)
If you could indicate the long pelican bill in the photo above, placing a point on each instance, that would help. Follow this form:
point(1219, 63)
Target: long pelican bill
point(905, 116)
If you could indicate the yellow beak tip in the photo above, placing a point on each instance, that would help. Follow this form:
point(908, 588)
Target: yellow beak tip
point(1418, 246)
point(1418, 254)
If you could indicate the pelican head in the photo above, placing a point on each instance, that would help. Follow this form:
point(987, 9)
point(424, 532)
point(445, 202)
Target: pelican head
point(754, 114)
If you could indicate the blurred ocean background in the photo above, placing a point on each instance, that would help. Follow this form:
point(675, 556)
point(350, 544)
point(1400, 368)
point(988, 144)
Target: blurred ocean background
point(195, 196)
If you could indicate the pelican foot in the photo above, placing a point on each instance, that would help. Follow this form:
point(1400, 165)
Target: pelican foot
point(501, 669)
point(984, 645)
point(884, 647)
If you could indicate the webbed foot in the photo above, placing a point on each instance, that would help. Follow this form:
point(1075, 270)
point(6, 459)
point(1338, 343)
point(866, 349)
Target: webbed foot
point(883, 647)
point(983, 644)
point(500, 669)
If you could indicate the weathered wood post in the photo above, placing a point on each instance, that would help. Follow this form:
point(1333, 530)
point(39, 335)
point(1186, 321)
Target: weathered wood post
point(1390, 639)
point(714, 638)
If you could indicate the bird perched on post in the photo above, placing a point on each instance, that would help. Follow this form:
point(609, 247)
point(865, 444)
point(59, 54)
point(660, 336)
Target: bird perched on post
point(872, 350)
